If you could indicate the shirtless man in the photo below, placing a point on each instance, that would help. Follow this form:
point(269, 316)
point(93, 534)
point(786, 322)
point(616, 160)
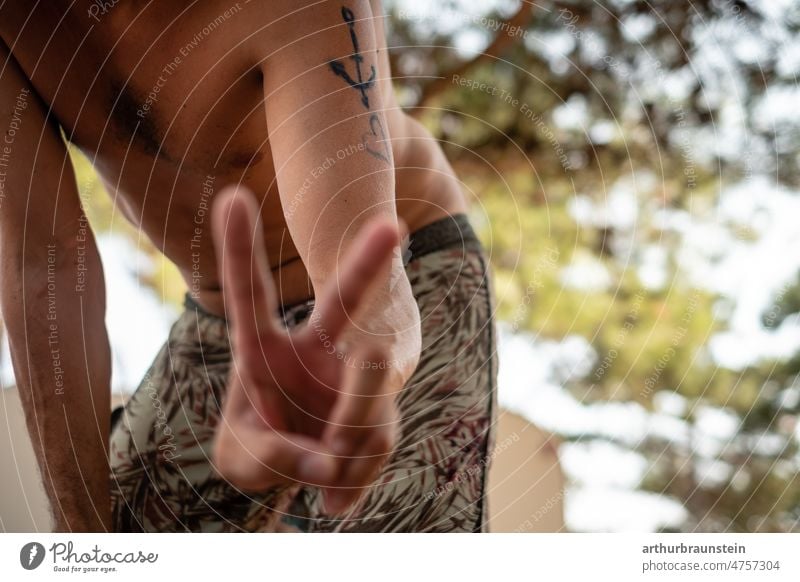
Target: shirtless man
point(367, 410)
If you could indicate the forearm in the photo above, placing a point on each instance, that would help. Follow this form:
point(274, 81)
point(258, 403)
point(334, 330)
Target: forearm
point(326, 109)
point(60, 352)
point(326, 114)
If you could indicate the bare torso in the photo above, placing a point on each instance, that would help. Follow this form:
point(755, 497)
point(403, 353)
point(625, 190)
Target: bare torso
point(166, 100)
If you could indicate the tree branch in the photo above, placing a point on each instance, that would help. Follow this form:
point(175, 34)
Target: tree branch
point(505, 38)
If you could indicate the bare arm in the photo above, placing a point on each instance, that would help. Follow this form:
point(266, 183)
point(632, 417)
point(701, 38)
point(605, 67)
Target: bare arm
point(334, 163)
point(296, 411)
point(53, 303)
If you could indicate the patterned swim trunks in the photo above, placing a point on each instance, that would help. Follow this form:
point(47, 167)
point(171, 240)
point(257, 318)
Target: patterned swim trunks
point(435, 480)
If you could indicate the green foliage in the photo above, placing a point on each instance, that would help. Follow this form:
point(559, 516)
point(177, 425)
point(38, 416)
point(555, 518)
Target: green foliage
point(645, 100)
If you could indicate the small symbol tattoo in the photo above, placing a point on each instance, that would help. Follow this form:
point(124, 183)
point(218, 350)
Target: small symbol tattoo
point(339, 68)
point(375, 140)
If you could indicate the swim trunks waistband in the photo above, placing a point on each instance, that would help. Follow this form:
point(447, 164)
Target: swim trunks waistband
point(445, 233)
point(449, 232)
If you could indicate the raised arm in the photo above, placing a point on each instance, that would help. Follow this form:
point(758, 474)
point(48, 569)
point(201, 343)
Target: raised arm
point(325, 107)
point(53, 304)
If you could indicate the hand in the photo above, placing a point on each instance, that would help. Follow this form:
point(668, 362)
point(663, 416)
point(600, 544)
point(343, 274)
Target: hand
point(298, 409)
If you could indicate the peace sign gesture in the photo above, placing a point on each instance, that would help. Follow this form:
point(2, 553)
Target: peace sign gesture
point(296, 410)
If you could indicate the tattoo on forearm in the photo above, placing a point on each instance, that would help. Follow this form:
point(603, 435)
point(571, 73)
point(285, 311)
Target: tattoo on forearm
point(340, 69)
point(374, 140)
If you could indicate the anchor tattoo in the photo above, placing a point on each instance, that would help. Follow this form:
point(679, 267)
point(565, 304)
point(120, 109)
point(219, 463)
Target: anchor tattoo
point(339, 68)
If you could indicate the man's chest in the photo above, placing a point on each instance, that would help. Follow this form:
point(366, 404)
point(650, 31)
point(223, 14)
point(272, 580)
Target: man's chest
point(178, 86)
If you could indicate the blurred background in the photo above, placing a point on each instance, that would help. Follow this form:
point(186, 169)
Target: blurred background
point(634, 173)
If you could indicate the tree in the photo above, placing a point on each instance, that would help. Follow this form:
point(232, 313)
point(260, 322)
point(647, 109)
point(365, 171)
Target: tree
point(568, 115)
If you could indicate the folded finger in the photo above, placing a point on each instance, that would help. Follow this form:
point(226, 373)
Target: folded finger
point(359, 473)
point(256, 460)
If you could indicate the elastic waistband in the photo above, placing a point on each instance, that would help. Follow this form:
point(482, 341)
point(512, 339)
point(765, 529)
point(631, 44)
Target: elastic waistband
point(450, 232)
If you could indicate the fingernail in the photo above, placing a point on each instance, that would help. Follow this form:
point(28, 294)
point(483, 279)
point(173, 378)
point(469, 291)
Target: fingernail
point(317, 468)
